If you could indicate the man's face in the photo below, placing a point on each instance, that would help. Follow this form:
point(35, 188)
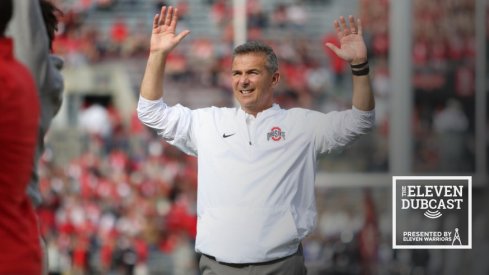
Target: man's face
point(252, 82)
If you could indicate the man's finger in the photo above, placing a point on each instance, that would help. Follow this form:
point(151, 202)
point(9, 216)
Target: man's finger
point(333, 48)
point(338, 29)
point(174, 19)
point(155, 21)
point(359, 26)
point(182, 35)
point(353, 27)
point(169, 15)
point(162, 16)
point(343, 26)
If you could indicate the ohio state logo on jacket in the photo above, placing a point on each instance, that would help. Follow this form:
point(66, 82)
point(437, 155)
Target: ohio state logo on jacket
point(276, 134)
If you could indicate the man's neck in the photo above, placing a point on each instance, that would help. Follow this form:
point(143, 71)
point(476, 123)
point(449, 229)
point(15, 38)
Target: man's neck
point(256, 112)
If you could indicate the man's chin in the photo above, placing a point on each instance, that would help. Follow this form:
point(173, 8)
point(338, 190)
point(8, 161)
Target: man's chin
point(246, 103)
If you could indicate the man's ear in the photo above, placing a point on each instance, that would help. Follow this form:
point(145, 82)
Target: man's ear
point(275, 78)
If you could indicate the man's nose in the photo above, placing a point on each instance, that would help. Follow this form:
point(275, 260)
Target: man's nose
point(245, 80)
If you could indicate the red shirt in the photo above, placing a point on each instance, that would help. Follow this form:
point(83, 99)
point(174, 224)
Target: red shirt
point(20, 251)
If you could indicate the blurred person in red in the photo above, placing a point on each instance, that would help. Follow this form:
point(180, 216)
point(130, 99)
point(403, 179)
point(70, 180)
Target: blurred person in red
point(20, 251)
point(33, 29)
point(119, 33)
point(256, 162)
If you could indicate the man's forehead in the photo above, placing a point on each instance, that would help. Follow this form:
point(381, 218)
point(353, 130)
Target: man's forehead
point(249, 60)
point(259, 55)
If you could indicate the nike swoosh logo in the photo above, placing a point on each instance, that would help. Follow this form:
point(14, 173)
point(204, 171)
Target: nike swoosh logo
point(226, 136)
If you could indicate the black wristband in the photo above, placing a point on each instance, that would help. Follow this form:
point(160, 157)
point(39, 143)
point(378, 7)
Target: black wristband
point(364, 71)
point(359, 66)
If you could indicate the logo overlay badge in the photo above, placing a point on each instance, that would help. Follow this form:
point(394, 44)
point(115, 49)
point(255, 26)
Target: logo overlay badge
point(432, 212)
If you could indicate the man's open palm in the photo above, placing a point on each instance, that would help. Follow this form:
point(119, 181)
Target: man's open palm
point(163, 36)
point(352, 46)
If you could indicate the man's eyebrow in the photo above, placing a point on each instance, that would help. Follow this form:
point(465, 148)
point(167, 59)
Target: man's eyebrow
point(253, 70)
point(246, 71)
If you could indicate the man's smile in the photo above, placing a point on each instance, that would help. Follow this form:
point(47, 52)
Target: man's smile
point(246, 91)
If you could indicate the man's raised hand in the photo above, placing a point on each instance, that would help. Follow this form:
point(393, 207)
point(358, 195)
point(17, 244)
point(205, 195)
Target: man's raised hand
point(163, 37)
point(352, 46)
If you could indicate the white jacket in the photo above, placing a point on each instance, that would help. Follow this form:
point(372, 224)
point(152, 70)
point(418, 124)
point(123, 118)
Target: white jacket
point(256, 176)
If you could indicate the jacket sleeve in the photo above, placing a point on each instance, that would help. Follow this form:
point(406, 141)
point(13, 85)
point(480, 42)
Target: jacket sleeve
point(174, 124)
point(335, 130)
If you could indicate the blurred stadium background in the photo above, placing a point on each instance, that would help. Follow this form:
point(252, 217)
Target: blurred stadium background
point(118, 200)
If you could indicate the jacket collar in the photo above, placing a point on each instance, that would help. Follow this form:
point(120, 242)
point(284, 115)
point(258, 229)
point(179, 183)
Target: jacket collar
point(263, 114)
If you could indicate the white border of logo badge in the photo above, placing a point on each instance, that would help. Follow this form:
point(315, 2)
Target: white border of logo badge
point(394, 233)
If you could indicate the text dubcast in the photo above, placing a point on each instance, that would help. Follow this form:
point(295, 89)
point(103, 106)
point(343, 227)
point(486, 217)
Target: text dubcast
point(432, 197)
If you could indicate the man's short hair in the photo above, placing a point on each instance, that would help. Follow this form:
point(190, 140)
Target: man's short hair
point(6, 12)
point(259, 47)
